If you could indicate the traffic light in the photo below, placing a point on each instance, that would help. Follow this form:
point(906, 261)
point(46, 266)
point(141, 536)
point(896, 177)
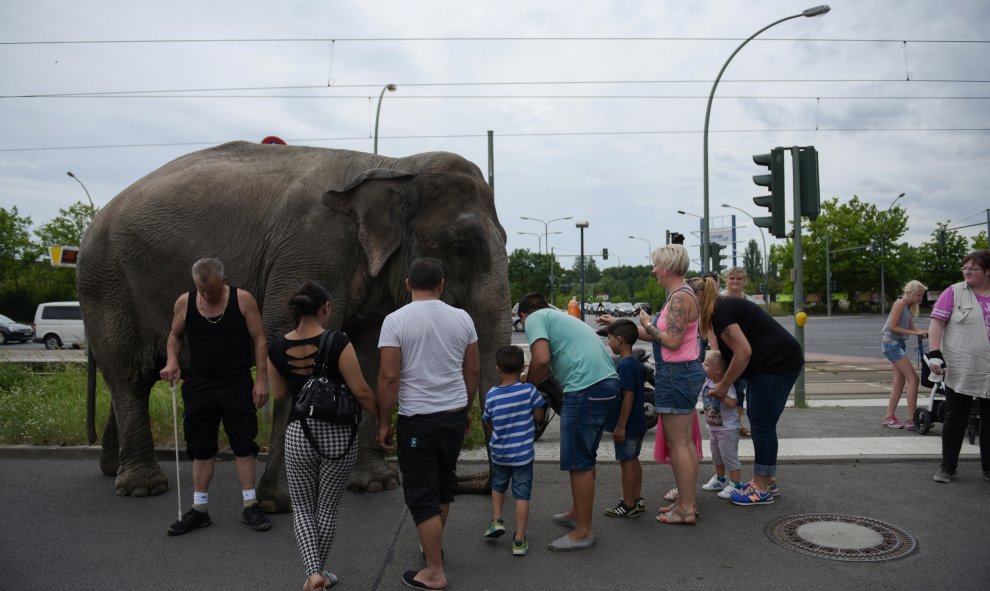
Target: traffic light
point(715, 249)
point(604, 254)
point(810, 198)
point(774, 202)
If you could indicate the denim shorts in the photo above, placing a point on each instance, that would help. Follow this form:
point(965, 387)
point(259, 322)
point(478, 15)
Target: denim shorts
point(582, 422)
point(678, 386)
point(894, 351)
point(521, 476)
point(628, 449)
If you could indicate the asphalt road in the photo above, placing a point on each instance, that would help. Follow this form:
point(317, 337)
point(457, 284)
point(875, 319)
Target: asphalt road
point(856, 336)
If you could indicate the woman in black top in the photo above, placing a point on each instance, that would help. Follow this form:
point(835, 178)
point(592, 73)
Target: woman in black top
point(316, 483)
point(756, 347)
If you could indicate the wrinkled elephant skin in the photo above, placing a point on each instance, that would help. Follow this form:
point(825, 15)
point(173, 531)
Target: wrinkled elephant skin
point(277, 216)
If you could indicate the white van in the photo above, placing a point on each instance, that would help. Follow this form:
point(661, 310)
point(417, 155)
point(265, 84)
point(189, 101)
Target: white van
point(58, 325)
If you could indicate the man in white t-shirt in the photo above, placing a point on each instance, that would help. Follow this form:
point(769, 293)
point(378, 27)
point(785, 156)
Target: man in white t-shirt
point(429, 364)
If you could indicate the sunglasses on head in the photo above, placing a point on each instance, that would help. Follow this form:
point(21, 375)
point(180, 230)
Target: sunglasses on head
point(710, 275)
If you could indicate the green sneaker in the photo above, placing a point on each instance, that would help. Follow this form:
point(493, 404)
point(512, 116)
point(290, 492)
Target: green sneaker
point(496, 528)
point(519, 547)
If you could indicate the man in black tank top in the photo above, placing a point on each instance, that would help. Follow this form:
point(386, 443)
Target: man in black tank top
point(222, 326)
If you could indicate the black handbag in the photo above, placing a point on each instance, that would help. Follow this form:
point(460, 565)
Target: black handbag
point(323, 398)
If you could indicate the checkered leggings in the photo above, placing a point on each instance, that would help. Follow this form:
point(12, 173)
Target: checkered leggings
point(316, 486)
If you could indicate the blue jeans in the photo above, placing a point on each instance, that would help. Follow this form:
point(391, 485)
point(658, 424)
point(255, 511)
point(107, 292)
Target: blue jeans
point(521, 477)
point(767, 396)
point(582, 422)
point(678, 385)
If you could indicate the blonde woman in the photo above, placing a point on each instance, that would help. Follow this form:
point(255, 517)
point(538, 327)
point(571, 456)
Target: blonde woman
point(898, 327)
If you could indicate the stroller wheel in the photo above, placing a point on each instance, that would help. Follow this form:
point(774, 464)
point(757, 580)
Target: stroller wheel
point(922, 421)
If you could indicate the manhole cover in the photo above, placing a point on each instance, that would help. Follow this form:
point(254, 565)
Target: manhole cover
point(841, 537)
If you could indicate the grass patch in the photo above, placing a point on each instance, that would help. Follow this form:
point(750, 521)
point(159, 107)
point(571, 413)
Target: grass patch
point(47, 406)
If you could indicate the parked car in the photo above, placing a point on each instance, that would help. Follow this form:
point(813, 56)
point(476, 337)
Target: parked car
point(14, 332)
point(59, 324)
point(624, 309)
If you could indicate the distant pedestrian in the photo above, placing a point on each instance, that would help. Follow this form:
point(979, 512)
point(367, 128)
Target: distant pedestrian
point(958, 338)
point(429, 365)
point(585, 370)
point(723, 429)
point(511, 412)
point(735, 283)
point(899, 326)
point(628, 420)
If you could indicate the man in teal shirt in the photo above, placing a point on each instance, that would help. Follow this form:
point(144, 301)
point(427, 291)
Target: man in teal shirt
point(579, 360)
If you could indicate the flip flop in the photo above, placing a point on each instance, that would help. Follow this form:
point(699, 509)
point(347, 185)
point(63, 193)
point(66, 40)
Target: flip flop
point(672, 495)
point(409, 578)
point(681, 518)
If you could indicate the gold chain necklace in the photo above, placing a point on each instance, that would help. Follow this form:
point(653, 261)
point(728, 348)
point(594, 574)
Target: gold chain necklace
point(202, 309)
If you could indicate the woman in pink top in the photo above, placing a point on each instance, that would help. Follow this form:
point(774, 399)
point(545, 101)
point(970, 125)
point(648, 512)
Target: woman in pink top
point(678, 377)
point(959, 334)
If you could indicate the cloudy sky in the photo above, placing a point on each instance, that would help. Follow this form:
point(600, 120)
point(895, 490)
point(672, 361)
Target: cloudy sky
point(597, 107)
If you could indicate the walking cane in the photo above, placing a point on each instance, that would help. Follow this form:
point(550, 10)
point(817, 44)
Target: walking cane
point(175, 425)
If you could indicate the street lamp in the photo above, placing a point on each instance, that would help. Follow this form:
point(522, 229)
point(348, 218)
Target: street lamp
point(582, 224)
point(883, 256)
point(91, 206)
point(766, 255)
point(649, 245)
point(703, 224)
point(539, 240)
point(378, 112)
point(546, 241)
point(810, 12)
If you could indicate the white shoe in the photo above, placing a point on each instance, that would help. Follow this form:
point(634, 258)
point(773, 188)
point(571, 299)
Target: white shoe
point(715, 484)
point(729, 488)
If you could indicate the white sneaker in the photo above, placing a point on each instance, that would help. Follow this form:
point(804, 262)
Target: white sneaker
point(715, 484)
point(730, 487)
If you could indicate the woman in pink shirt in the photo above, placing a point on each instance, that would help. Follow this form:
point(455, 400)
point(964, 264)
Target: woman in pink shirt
point(959, 335)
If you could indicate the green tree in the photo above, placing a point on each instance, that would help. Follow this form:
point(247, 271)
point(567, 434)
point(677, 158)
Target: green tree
point(861, 240)
point(67, 229)
point(980, 240)
point(529, 271)
point(940, 257)
point(753, 267)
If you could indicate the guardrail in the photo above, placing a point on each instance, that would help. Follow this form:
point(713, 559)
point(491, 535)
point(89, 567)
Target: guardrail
point(13, 355)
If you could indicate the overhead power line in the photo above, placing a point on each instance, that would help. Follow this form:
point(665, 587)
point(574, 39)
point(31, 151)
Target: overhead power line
point(408, 97)
point(479, 39)
point(519, 135)
point(378, 85)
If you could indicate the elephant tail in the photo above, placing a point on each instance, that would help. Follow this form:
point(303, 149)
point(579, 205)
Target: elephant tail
point(90, 397)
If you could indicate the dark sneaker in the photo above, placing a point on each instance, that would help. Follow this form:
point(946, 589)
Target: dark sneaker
point(944, 476)
point(192, 519)
point(256, 518)
point(620, 510)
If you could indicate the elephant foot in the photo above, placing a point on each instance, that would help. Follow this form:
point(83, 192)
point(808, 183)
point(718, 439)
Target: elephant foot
point(373, 474)
point(141, 481)
point(474, 484)
point(109, 466)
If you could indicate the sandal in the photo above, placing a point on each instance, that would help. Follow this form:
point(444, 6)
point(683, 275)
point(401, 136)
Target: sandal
point(669, 508)
point(676, 517)
point(671, 495)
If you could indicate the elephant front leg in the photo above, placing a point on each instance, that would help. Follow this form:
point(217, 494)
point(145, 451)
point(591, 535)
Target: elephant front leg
point(372, 473)
point(137, 471)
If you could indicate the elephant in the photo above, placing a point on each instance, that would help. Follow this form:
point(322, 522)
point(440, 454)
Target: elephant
point(277, 216)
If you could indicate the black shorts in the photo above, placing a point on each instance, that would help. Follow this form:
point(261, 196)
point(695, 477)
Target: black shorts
point(428, 447)
point(207, 402)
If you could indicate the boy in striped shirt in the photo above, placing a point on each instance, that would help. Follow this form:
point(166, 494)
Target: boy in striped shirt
point(512, 409)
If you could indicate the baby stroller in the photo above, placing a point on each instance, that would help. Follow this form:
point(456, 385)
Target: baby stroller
point(935, 413)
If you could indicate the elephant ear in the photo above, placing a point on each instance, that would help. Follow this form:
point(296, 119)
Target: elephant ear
point(372, 199)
